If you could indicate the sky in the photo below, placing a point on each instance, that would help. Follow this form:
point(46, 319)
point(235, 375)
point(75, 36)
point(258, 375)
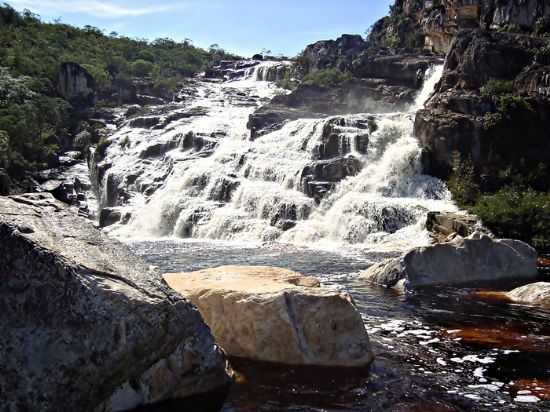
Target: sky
point(240, 26)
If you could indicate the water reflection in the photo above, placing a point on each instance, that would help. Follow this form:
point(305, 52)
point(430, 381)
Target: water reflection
point(442, 350)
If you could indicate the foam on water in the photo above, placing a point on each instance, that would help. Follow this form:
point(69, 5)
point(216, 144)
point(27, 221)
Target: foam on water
point(244, 189)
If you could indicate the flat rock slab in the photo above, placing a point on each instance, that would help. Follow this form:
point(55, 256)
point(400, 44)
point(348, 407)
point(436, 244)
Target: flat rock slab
point(275, 315)
point(86, 325)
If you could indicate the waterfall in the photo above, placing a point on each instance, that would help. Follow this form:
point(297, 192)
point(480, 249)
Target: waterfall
point(342, 180)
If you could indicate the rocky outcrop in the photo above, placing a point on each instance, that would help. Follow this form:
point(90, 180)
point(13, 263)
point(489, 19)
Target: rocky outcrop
point(443, 224)
point(311, 102)
point(405, 69)
point(532, 294)
point(86, 325)
point(77, 86)
point(326, 54)
point(433, 24)
point(493, 89)
point(463, 261)
point(276, 315)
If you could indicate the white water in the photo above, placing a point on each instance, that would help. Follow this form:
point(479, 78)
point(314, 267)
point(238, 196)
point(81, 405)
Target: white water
point(246, 189)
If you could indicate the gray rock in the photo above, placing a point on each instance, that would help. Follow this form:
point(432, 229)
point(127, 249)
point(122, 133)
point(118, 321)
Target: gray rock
point(77, 86)
point(463, 261)
point(446, 223)
point(5, 183)
point(86, 325)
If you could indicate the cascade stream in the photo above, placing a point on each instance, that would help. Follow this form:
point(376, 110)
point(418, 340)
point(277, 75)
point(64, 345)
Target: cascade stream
point(284, 185)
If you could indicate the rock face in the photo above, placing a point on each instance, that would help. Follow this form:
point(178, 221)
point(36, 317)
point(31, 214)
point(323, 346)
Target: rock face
point(276, 315)
point(534, 293)
point(469, 117)
point(433, 24)
point(477, 258)
point(86, 325)
point(77, 86)
point(337, 53)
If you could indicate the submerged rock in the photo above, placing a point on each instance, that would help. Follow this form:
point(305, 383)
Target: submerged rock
point(86, 325)
point(276, 315)
point(477, 258)
point(534, 293)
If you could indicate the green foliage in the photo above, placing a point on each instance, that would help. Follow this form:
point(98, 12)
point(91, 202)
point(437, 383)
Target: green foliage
point(462, 183)
point(513, 104)
point(33, 120)
point(327, 78)
point(287, 82)
point(31, 124)
point(495, 87)
point(518, 214)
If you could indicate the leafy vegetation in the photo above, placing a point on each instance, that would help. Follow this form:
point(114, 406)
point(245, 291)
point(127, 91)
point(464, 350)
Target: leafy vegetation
point(34, 121)
point(462, 183)
point(517, 213)
point(495, 87)
point(327, 78)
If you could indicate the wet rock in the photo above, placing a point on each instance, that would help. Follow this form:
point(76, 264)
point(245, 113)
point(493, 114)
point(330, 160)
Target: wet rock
point(333, 170)
point(443, 224)
point(533, 294)
point(144, 122)
point(407, 69)
point(77, 86)
point(312, 102)
point(276, 315)
point(88, 326)
point(463, 261)
point(5, 183)
point(386, 273)
point(110, 215)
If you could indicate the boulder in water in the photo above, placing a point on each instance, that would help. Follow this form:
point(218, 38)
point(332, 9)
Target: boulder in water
point(534, 293)
point(477, 258)
point(86, 325)
point(276, 315)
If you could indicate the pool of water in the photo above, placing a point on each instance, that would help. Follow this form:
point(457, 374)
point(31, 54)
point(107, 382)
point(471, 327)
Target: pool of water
point(440, 350)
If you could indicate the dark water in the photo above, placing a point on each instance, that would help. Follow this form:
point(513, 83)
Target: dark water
point(440, 350)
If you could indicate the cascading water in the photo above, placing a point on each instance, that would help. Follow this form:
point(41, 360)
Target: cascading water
point(284, 185)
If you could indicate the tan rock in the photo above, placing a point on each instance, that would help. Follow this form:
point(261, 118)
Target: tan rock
point(534, 294)
point(276, 315)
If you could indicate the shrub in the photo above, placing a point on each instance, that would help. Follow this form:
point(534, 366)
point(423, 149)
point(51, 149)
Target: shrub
point(495, 87)
point(327, 78)
point(518, 214)
point(462, 183)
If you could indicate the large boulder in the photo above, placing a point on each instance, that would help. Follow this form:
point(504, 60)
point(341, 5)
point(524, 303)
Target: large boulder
point(276, 315)
point(463, 261)
point(86, 325)
point(76, 85)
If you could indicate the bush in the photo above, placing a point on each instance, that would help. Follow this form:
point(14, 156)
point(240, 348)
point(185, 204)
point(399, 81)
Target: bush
point(327, 78)
point(462, 183)
point(517, 214)
point(496, 87)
